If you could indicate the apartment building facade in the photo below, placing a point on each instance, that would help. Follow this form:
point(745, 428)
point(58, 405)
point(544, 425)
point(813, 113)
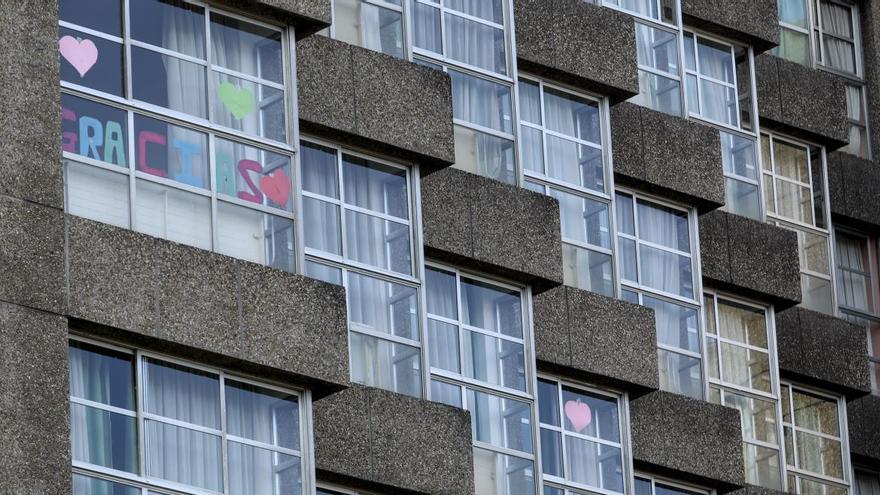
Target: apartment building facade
point(440, 247)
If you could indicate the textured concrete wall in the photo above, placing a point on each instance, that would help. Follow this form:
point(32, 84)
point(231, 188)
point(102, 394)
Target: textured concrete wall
point(596, 339)
point(854, 187)
point(863, 416)
point(824, 351)
point(751, 258)
point(208, 303)
point(307, 16)
point(669, 156)
point(379, 440)
point(801, 101)
point(368, 99)
point(495, 228)
point(688, 439)
point(34, 424)
point(750, 22)
point(577, 43)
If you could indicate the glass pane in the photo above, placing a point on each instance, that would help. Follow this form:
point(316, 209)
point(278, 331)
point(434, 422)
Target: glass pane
point(97, 194)
point(249, 107)
point(376, 242)
point(169, 82)
point(484, 154)
point(101, 375)
point(739, 156)
point(480, 101)
point(840, 54)
point(625, 222)
point(792, 162)
point(794, 45)
point(716, 60)
point(247, 48)
point(591, 414)
point(495, 361)
point(500, 422)
point(95, 131)
point(475, 44)
point(762, 466)
point(378, 306)
point(628, 256)
point(548, 402)
point(718, 102)
point(666, 271)
point(383, 364)
point(319, 170)
point(819, 455)
point(794, 201)
point(171, 24)
point(261, 176)
point(532, 144)
point(446, 393)
point(100, 15)
point(445, 347)
point(86, 485)
point(676, 324)
point(745, 367)
point(742, 198)
point(551, 453)
point(182, 393)
point(816, 294)
point(647, 8)
point(530, 102)
point(680, 374)
point(91, 61)
point(501, 474)
point(594, 464)
point(489, 10)
point(491, 308)
point(814, 253)
point(322, 226)
point(665, 226)
point(426, 31)
point(173, 214)
point(758, 417)
point(256, 470)
point(442, 293)
point(320, 271)
point(184, 456)
point(583, 219)
point(172, 152)
point(810, 487)
point(103, 438)
point(659, 93)
point(575, 163)
point(815, 413)
point(793, 12)
point(264, 415)
point(657, 49)
point(370, 26)
point(587, 269)
point(572, 116)
point(376, 187)
point(742, 323)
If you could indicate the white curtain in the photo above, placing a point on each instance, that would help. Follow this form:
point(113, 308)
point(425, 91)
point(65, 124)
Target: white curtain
point(837, 20)
point(853, 285)
point(661, 269)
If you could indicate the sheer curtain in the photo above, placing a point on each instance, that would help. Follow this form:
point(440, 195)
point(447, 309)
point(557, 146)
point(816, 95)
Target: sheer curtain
point(837, 20)
point(664, 270)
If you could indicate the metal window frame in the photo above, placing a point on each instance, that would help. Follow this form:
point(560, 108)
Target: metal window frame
point(622, 400)
point(789, 387)
point(674, 484)
point(205, 126)
point(381, 4)
point(142, 480)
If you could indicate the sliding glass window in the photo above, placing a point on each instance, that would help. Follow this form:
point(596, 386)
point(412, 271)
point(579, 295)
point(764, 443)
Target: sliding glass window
point(564, 155)
point(358, 219)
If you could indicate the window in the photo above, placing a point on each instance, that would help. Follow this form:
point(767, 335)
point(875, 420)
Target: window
point(373, 24)
point(646, 485)
point(857, 291)
point(479, 361)
point(711, 79)
point(582, 438)
point(794, 183)
point(659, 68)
point(358, 232)
point(142, 423)
point(178, 127)
point(826, 34)
point(816, 452)
point(867, 483)
point(655, 246)
point(741, 362)
point(562, 138)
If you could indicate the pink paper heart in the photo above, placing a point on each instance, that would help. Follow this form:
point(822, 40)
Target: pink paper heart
point(82, 55)
point(579, 414)
point(276, 186)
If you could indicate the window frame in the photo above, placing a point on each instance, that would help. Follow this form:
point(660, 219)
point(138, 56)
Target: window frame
point(527, 177)
point(624, 427)
point(723, 387)
point(145, 483)
point(402, 9)
point(654, 479)
point(696, 271)
point(788, 386)
point(212, 131)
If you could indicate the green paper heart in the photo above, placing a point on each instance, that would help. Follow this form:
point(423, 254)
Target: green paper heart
point(239, 101)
